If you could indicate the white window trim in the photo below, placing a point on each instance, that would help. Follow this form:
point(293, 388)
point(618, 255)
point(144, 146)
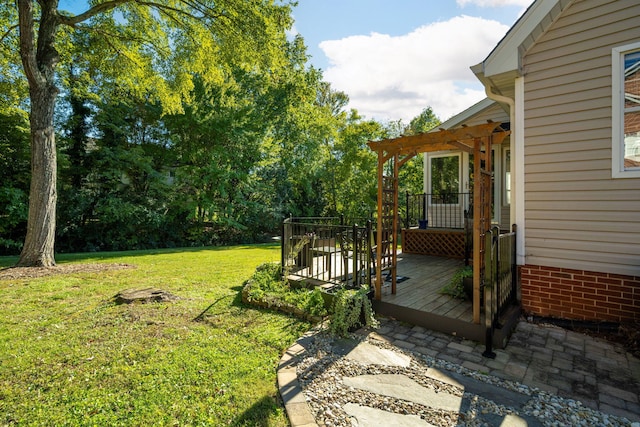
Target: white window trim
point(440, 154)
point(617, 112)
point(506, 184)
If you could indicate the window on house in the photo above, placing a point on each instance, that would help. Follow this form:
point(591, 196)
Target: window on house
point(507, 177)
point(626, 111)
point(445, 179)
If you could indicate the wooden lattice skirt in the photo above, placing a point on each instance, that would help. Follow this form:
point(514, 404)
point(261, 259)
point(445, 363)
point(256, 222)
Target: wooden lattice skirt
point(439, 242)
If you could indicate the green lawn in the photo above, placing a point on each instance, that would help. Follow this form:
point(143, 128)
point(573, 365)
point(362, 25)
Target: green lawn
point(69, 356)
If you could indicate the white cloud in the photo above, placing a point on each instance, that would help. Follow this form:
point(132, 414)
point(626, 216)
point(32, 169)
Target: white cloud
point(291, 33)
point(494, 3)
point(397, 77)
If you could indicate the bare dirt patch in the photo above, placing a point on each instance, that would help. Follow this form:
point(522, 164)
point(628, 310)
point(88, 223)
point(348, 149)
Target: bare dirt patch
point(32, 272)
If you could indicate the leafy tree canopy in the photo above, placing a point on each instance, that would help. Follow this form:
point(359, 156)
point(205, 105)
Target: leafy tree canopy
point(151, 49)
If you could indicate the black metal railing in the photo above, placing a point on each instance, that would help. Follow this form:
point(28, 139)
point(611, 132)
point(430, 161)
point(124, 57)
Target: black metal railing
point(500, 281)
point(328, 250)
point(444, 210)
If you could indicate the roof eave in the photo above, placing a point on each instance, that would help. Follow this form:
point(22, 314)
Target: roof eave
point(465, 115)
point(506, 56)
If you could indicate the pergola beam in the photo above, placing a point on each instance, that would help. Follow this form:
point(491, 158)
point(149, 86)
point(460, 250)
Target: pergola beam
point(447, 139)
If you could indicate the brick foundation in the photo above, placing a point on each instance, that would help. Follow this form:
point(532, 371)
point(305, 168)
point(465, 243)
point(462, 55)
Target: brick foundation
point(580, 295)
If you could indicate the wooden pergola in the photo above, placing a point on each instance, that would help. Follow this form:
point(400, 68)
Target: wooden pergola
point(476, 140)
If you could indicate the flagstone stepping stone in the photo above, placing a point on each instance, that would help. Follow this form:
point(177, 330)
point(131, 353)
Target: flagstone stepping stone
point(370, 354)
point(402, 387)
point(366, 416)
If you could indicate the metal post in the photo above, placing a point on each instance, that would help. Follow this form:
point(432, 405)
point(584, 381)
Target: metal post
point(354, 231)
point(282, 245)
point(514, 265)
point(406, 216)
point(497, 294)
point(368, 249)
point(424, 207)
point(491, 247)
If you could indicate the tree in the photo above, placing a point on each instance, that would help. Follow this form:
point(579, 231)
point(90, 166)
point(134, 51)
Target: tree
point(14, 178)
point(355, 167)
point(153, 48)
point(411, 177)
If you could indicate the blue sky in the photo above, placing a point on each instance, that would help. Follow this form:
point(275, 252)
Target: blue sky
point(320, 20)
point(396, 57)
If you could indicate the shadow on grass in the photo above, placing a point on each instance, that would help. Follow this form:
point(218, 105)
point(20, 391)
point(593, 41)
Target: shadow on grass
point(259, 414)
point(8, 261)
point(237, 302)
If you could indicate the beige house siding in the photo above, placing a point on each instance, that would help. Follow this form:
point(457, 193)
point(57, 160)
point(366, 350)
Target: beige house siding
point(576, 215)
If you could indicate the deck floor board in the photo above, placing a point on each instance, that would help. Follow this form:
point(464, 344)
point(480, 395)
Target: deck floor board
point(427, 275)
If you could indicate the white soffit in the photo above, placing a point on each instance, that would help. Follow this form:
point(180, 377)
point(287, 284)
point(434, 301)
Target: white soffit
point(464, 116)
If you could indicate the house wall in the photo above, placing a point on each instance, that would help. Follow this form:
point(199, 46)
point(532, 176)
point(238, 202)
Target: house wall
point(576, 216)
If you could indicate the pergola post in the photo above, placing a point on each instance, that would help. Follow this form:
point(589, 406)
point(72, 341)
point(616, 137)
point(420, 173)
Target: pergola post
point(394, 250)
point(378, 284)
point(477, 233)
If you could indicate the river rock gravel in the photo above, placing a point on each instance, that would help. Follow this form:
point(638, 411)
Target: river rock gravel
point(322, 370)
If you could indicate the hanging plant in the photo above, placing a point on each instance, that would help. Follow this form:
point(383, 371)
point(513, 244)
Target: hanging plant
point(351, 309)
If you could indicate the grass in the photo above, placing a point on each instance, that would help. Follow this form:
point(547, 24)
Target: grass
point(70, 356)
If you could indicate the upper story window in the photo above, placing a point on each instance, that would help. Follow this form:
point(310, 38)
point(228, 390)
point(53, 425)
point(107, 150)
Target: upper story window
point(626, 111)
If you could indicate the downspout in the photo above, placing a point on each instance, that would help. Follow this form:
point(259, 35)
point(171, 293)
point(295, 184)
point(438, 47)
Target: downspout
point(504, 99)
point(488, 89)
point(516, 145)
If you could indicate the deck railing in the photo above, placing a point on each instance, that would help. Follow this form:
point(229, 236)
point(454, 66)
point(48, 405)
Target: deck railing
point(501, 286)
point(445, 210)
point(328, 250)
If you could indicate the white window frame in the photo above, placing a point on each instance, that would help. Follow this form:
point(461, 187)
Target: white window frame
point(506, 180)
point(617, 112)
point(437, 155)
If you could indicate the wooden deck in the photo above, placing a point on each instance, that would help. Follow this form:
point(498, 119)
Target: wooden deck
point(417, 300)
point(427, 275)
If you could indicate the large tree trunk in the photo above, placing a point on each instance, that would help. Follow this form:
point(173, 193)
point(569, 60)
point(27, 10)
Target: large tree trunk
point(38, 249)
point(39, 60)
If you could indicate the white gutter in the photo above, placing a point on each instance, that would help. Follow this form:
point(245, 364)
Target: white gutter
point(516, 145)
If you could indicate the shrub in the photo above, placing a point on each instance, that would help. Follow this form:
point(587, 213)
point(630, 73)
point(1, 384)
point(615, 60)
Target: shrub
point(455, 288)
point(268, 288)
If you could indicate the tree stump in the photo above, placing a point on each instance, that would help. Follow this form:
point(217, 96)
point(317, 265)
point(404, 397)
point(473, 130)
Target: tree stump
point(129, 296)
